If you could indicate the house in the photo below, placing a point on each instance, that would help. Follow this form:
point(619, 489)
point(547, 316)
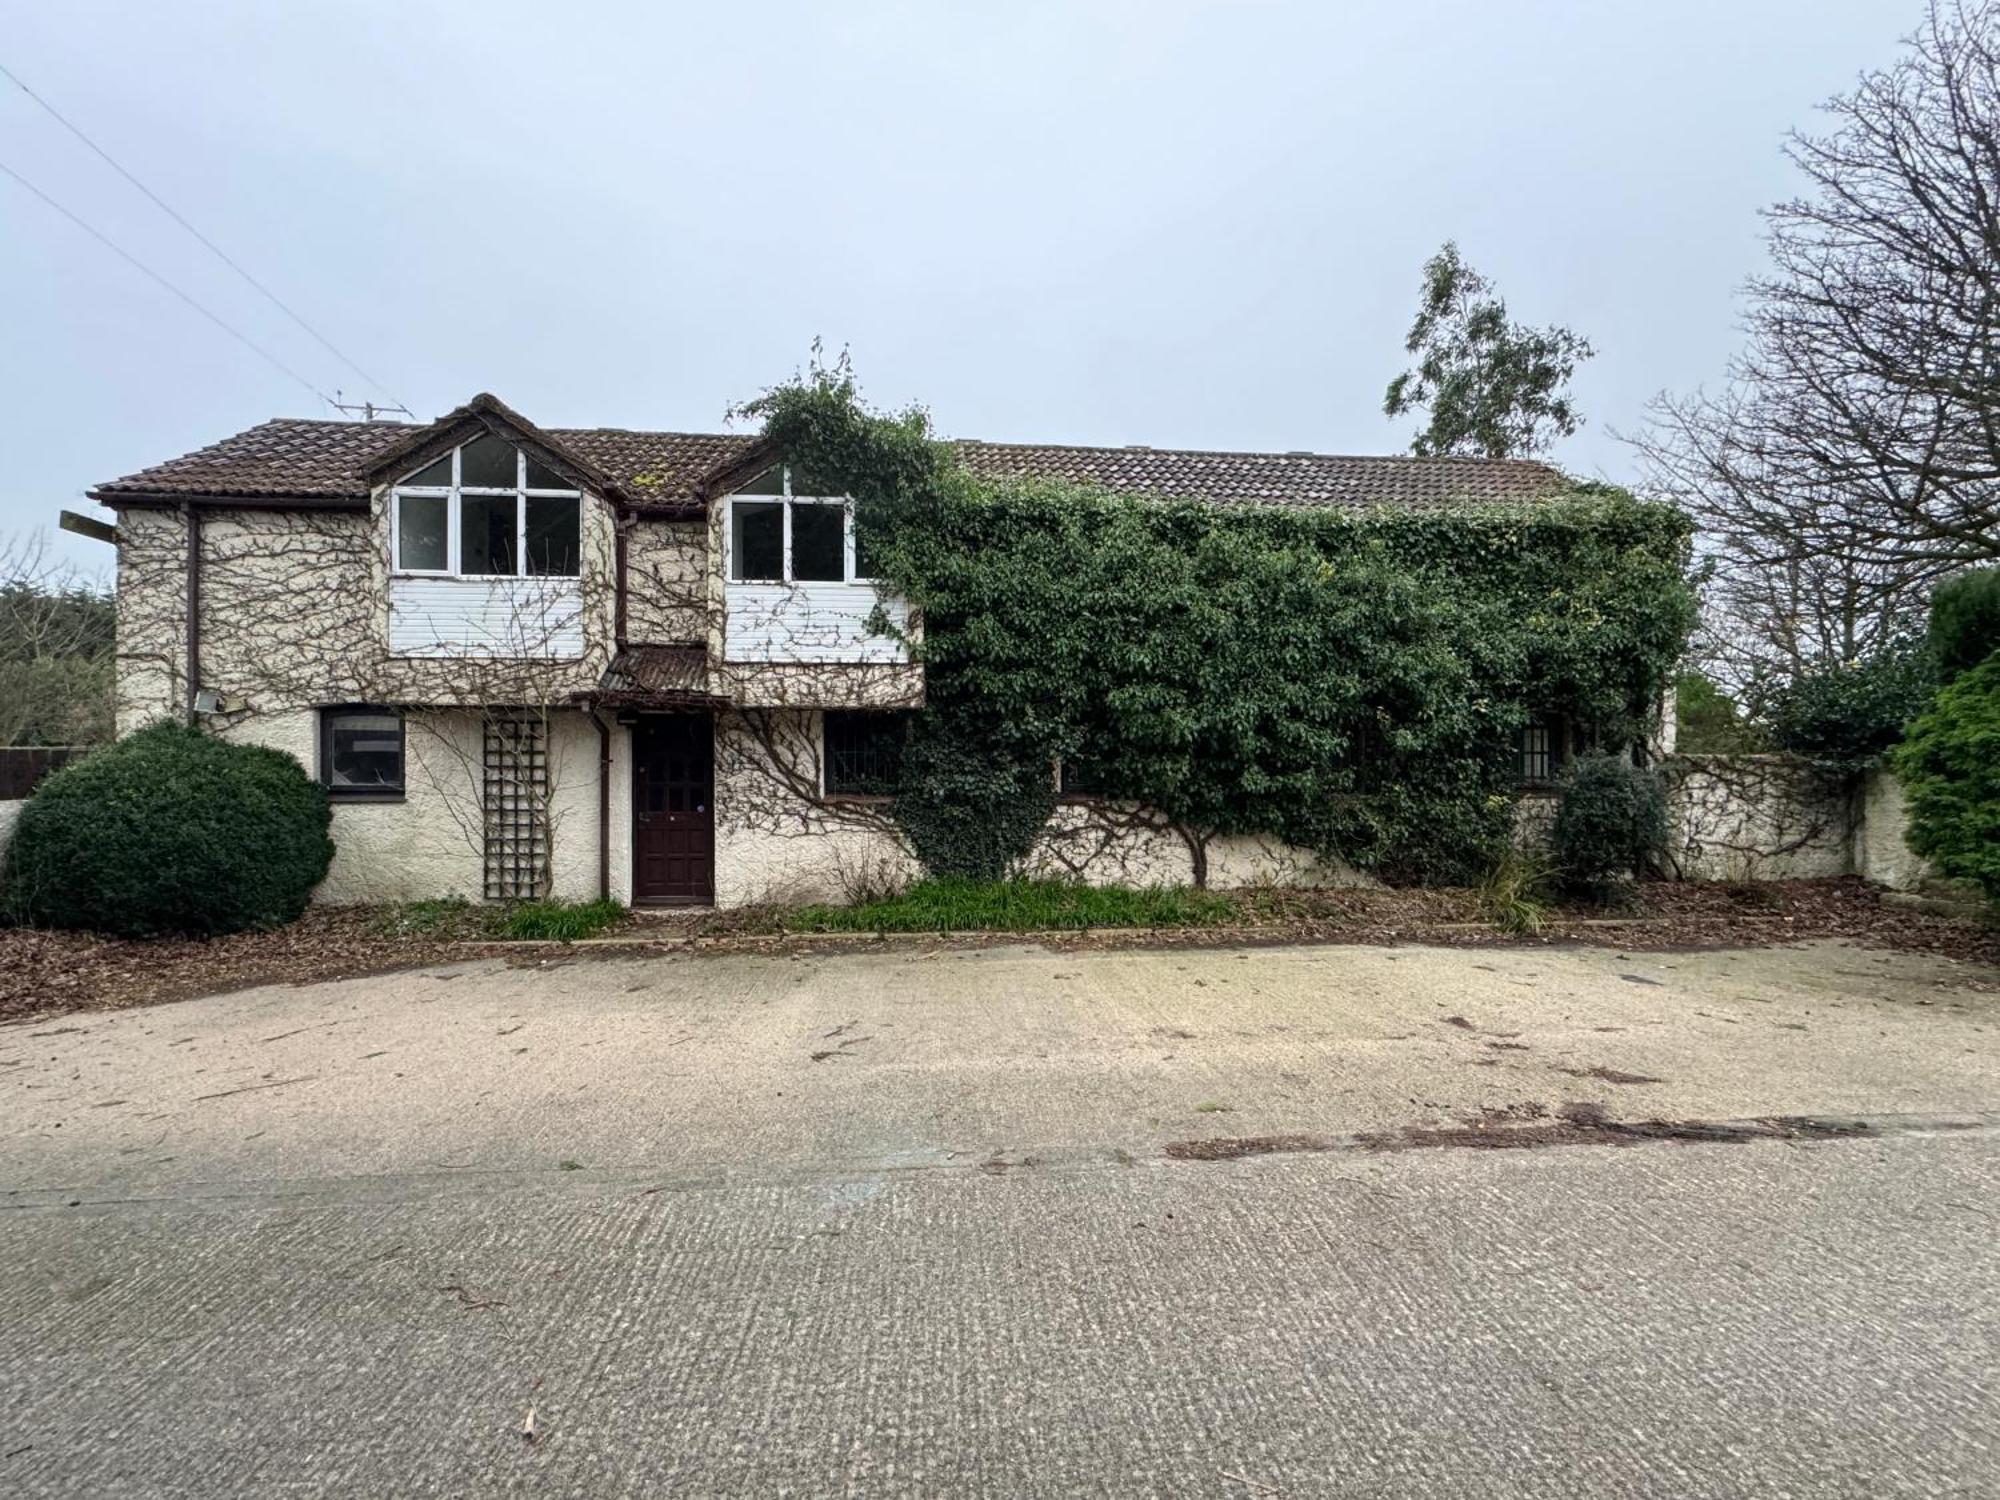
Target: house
point(587, 661)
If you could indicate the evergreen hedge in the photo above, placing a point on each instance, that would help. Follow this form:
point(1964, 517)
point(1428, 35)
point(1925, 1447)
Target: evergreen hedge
point(1950, 769)
point(169, 831)
point(1965, 621)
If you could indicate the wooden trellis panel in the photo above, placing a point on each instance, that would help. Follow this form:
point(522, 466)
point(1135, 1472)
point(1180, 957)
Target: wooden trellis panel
point(516, 805)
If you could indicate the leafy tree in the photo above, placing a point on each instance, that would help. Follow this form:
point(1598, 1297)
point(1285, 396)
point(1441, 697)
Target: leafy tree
point(1493, 389)
point(56, 643)
point(1847, 717)
point(1950, 769)
point(1853, 456)
point(1349, 682)
point(1965, 621)
point(1710, 721)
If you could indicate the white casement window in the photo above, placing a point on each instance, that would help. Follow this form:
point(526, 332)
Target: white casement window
point(784, 528)
point(487, 510)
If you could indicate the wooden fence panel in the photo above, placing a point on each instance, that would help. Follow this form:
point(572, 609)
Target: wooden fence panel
point(21, 766)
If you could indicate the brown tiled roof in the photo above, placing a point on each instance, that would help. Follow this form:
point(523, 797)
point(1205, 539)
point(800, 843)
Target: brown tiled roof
point(1314, 479)
point(656, 677)
point(307, 461)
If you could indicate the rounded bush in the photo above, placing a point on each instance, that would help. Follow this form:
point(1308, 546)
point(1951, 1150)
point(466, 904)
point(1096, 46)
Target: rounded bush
point(169, 831)
point(1965, 621)
point(1611, 820)
point(1950, 769)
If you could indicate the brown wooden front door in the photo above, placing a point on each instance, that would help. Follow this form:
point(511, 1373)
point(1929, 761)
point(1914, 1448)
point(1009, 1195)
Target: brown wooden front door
point(673, 810)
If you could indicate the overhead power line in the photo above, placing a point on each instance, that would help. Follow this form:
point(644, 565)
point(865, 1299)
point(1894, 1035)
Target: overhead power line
point(132, 260)
point(213, 248)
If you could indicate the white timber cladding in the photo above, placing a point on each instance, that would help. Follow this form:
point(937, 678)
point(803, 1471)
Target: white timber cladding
point(771, 612)
point(810, 622)
point(507, 617)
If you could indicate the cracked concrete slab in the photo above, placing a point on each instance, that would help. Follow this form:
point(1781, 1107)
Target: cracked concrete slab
point(342, 1239)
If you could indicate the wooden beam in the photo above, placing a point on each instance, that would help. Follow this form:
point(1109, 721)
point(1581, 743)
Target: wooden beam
point(82, 525)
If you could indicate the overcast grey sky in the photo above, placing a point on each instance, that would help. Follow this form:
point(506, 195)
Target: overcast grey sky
point(1159, 221)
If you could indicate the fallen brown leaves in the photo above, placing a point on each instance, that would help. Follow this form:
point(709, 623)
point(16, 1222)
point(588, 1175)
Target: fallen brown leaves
point(44, 973)
point(49, 972)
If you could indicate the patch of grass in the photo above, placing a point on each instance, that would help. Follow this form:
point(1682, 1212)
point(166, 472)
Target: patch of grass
point(959, 905)
point(427, 918)
point(569, 1164)
point(560, 921)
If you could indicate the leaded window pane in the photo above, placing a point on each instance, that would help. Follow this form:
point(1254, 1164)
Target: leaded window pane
point(864, 753)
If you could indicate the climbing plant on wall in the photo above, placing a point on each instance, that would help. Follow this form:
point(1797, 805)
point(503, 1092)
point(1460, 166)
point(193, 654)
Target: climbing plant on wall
point(1351, 682)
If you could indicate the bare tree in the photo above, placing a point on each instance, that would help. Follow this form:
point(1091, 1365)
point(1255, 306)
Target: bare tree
point(1854, 456)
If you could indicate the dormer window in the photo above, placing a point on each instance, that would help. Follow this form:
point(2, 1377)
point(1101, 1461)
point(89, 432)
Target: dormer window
point(786, 527)
point(487, 510)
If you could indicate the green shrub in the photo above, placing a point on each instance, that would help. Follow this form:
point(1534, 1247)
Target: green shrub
point(1709, 721)
point(1611, 821)
point(1848, 717)
point(952, 904)
point(169, 831)
point(1950, 768)
point(559, 921)
point(969, 811)
point(1965, 621)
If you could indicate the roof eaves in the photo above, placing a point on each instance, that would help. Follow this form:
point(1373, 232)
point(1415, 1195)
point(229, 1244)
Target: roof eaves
point(725, 476)
point(111, 495)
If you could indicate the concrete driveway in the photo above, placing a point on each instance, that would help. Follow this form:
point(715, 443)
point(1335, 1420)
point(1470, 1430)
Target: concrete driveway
point(913, 1223)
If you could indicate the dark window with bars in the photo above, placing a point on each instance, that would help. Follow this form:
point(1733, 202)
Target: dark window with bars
point(516, 789)
point(1540, 743)
point(864, 753)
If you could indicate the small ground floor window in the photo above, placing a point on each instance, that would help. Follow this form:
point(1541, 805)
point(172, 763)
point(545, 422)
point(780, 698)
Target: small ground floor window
point(863, 753)
point(1079, 776)
point(1543, 745)
point(361, 752)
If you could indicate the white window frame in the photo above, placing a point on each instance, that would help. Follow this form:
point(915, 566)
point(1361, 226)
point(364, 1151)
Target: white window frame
point(453, 495)
point(785, 499)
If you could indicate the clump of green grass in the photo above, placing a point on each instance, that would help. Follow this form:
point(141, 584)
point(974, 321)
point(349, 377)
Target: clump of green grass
point(559, 921)
point(1517, 893)
point(426, 918)
point(954, 904)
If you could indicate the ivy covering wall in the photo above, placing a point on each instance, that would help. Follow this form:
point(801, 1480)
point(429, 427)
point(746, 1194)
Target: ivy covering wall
point(1351, 682)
